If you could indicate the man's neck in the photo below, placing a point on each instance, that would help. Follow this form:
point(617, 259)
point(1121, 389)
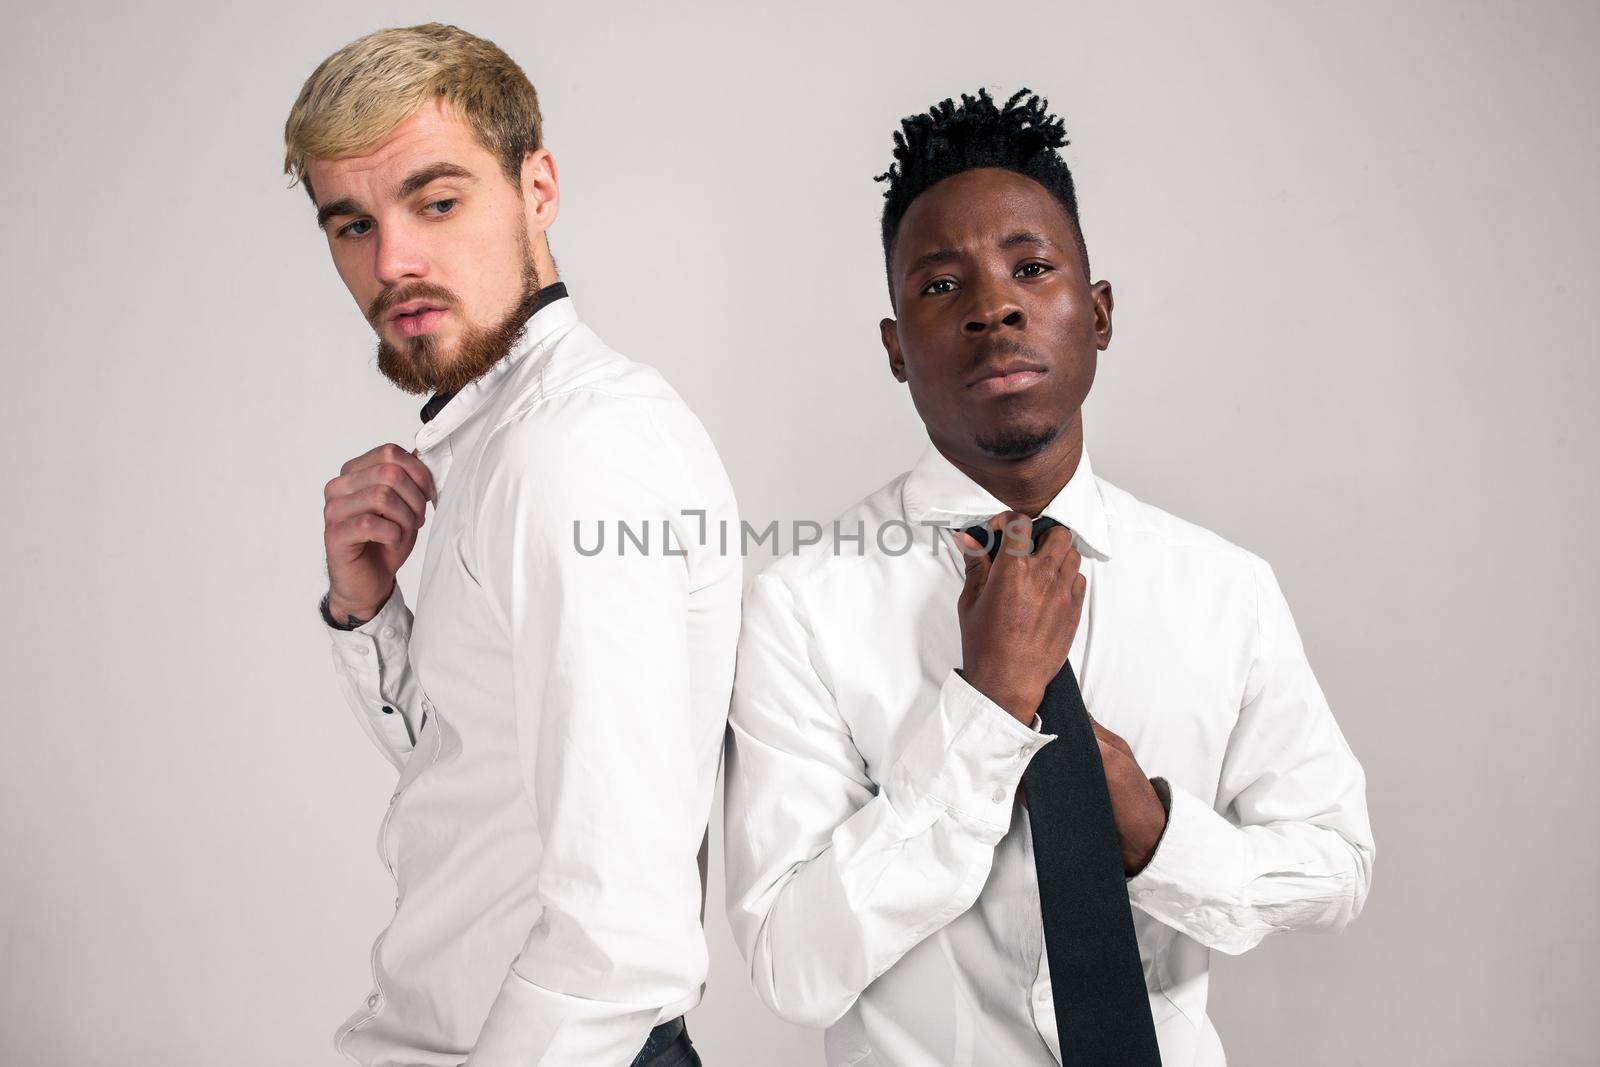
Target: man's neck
point(1029, 484)
point(546, 295)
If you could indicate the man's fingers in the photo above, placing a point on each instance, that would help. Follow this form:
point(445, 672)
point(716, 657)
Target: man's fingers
point(1053, 543)
point(393, 453)
point(1016, 533)
point(1056, 554)
point(426, 479)
point(396, 476)
point(1106, 737)
point(402, 480)
point(382, 500)
point(388, 452)
point(1075, 595)
point(974, 555)
point(363, 528)
point(977, 565)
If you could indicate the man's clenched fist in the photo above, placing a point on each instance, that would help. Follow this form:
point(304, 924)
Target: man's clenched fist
point(370, 517)
point(1018, 613)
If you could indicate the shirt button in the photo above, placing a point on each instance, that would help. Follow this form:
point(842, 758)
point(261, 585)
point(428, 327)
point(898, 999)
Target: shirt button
point(361, 650)
point(427, 707)
point(387, 710)
point(388, 631)
point(999, 794)
point(372, 1001)
point(394, 798)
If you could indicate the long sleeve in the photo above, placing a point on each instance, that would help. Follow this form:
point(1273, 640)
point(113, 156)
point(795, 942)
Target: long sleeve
point(1287, 845)
point(601, 695)
point(374, 674)
point(831, 878)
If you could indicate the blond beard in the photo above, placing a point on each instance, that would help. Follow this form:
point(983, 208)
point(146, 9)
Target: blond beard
point(414, 364)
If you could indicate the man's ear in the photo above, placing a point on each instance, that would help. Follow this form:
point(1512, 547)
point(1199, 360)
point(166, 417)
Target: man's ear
point(889, 331)
point(1100, 293)
point(541, 192)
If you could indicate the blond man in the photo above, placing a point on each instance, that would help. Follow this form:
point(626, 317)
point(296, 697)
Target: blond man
point(555, 712)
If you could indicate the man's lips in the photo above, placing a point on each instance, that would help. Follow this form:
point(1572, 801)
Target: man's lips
point(1007, 378)
point(416, 317)
point(413, 307)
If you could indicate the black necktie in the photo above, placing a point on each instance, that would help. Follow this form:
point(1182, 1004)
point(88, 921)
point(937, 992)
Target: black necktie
point(1096, 979)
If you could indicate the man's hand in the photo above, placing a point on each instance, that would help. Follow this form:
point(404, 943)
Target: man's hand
point(1018, 613)
point(371, 516)
point(1138, 811)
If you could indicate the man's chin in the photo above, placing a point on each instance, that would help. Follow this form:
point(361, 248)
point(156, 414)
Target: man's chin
point(412, 367)
point(457, 353)
point(1017, 441)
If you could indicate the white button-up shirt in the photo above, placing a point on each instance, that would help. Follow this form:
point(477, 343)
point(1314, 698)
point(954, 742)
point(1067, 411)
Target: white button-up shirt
point(881, 879)
point(556, 715)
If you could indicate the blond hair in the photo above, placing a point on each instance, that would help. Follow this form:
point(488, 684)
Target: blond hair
point(359, 94)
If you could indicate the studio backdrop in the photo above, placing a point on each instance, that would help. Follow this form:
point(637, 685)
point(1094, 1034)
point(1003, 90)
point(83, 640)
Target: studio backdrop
point(1353, 255)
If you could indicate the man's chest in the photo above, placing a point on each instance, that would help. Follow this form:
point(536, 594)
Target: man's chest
point(1161, 657)
point(459, 647)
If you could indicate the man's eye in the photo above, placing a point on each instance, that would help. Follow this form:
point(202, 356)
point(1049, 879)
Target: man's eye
point(1033, 270)
point(350, 228)
point(933, 288)
point(447, 204)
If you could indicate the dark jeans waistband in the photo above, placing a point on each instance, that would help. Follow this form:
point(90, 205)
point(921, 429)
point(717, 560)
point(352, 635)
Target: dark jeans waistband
point(660, 1040)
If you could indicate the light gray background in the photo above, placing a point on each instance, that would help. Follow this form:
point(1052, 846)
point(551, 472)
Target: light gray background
point(1354, 255)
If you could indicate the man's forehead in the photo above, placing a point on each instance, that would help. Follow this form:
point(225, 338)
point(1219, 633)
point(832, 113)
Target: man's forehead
point(991, 209)
point(428, 135)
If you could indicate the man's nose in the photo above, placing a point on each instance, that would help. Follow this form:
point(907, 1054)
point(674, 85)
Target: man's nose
point(399, 257)
point(993, 307)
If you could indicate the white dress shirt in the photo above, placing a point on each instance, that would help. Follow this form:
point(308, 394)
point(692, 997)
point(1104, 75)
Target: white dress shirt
point(880, 874)
point(556, 717)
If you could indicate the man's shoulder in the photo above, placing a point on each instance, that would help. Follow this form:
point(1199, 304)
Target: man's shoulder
point(584, 387)
point(865, 534)
point(580, 375)
point(1144, 531)
point(610, 422)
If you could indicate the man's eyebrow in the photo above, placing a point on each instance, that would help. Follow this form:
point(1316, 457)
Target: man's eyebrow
point(1025, 237)
point(930, 258)
point(338, 207)
point(417, 180)
point(945, 255)
point(432, 173)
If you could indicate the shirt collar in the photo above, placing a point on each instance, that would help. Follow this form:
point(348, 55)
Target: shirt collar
point(450, 410)
point(936, 492)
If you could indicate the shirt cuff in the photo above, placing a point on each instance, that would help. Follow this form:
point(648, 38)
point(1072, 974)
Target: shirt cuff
point(968, 757)
point(1199, 860)
point(381, 639)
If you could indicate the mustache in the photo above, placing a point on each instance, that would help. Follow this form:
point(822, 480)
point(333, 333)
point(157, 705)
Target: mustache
point(391, 298)
point(993, 346)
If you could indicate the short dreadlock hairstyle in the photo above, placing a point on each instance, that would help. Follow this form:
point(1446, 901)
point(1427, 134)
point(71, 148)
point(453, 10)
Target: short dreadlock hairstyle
point(1021, 136)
